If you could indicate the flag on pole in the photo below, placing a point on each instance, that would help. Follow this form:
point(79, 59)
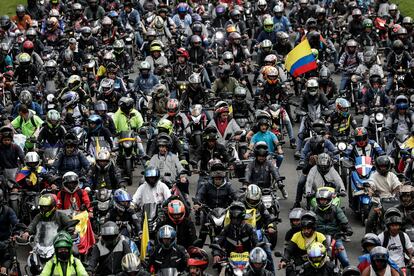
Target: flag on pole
point(300, 60)
point(84, 228)
point(145, 237)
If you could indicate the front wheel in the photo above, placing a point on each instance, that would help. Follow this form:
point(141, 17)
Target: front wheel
point(129, 170)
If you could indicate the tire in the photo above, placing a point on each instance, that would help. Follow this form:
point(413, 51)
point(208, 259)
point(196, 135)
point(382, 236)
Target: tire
point(15, 205)
point(129, 170)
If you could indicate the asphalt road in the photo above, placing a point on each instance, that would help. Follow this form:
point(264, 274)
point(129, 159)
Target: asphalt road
point(288, 169)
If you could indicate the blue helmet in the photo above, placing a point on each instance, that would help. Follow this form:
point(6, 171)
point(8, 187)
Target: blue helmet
point(97, 121)
point(122, 199)
point(166, 233)
point(152, 175)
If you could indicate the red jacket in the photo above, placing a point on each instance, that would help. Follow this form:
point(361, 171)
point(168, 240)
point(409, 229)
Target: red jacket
point(81, 197)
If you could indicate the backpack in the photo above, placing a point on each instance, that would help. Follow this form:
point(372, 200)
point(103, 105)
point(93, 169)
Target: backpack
point(402, 239)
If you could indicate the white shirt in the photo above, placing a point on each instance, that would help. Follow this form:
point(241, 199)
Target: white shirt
point(396, 249)
point(148, 194)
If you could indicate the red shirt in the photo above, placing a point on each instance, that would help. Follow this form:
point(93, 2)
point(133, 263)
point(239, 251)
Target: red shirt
point(67, 197)
point(221, 126)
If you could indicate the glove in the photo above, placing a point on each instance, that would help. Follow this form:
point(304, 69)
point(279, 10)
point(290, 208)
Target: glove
point(280, 184)
point(342, 193)
point(184, 162)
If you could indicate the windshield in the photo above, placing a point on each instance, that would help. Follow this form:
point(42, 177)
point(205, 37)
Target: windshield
point(46, 231)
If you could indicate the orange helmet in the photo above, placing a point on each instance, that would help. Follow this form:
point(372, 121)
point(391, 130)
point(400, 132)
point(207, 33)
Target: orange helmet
point(265, 69)
point(176, 211)
point(272, 75)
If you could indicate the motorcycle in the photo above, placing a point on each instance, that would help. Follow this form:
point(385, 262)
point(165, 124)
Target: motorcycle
point(376, 125)
point(127, 143)
point(360, 200)
point(235, 264)
point(101, 205)
point(214, 220)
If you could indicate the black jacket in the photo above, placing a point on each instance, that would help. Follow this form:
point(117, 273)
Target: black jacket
point(176, 257)
point(10, 155)
point(250, 272)
point(233, 235)
point(215, 197)
point(186, 231)
point(204, 154)
point(112, 177)
point(51, 136)
point(8, 220)
point(261, 174)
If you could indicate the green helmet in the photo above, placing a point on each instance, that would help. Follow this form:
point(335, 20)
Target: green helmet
point(268, 25)
point(63, 239)
point(165, 124)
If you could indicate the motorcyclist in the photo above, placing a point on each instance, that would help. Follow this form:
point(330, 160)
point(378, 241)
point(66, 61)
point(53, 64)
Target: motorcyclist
point(330, 220)
point(21, 19)
point(237, 236)
point(104, 171)
point(268, 31)
point(94, 11)
point(34, 10)
point(71, 158)
point(178, 118)
point(318, 261)
point(8, 221)
point(28, 123)
point(127, 117)
point(283, 44)
point(123, 59)
point(224, 83)
point(379, 263)
point(69, 66)
point(273, 90)
point(107, 253)
point(153, 190)
point(52, 31)
point(349, 61)
point(101, 109)
point(75, 84)
point(383, 183)
point(28, 47)
point(394, 235)
point(33, 176)
point(26, 98)
point(178, 218)
point(87, 42)
point(73, 112)
point(26, 72)
point(406, 206)
point(77, 17)
point(96, 130)
point(294, 218)
point(324, 174)
point(167, 253)
point(355, 26)
point(311, 100)
point(146, 80)
point(51, 74)
point(182, 69)
point(197, 262)
point(48, 213)
point(223, 123)
point(166, 161)
point(124, 215)
point(131, 265)
point(257, 263)
point(363, 146)
point(401, 121)
point(242, 110)
point(63, 261)
point(11, 154)
point(301, 241)
point(397, 59)
point(194, 94)
point(280, 21)
point(301, 13)
point(130, 16)
point(409, 76)
point(368, 37)
point(155, 59)
point(342, 120)
point(71, 196)
point(108, 95)
point(375, 96)
point(262, 170)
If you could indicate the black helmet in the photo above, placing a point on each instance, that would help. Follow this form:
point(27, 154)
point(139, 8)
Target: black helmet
point(383, 164)
point(261, 149)
point(5, 22)
point(393, 216)
point(71, 139)
point(126, 104)
point(351, 271)
point(110, 234)
point(152, 175)
point(319, 126)
point(317, 144)
point(370, 239)
point(308, 220)
point(324, 163)
point(398, 46)
point(237, 211)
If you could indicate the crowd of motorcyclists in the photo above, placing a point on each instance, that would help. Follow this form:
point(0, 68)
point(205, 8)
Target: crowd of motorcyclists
point(94, 91)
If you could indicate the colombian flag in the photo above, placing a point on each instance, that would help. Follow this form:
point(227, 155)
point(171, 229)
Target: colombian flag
point(26, 172)
point(84, 228)
point(300, 60)
point(145, 237)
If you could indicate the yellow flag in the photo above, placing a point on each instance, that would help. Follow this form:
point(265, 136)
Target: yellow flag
point(98, 147)
point(145, 237)
point(82, 226)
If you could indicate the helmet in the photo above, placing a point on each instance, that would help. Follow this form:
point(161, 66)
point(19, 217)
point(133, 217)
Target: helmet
point(240, 93)
point(71, 139)
point(182, 52)
point(53, 118)
point(383, 164)
point(253, 196)
point(95, 120)
point(165, 125)
point(361, 136)
point(198, 258)
point(77, 7)
point(282, 37)
point(266, 44)
point(182, 8)
point(103, 159)
point(26, 97)
point(74, 82)
point(367, 23)
point(176, 211)
point(370, 58)
point(106, 22)
point(257, 259)
point(194, 80)
point(220, 10)
point(308, 220)
point(54, 13)
point(70, 98)
point(31, 33)
point(272, 75)
point(235, 37)
point(32, 159)
point(268, 25)
point(261, 148)
point(217, 168)
point(158, 23)
point(151, 32)
point(164, 139)
point(317, 254)
point(370, 239)
point(262, 4)
point(402, 31)
point(151, 175)
point(324, 163)
point(51, 66)
point(86, 32)
point(197, 27)
point(47, 204)
point(24, 59)
point(52, 23)
point(63, 240)
point(311, 23)
point(296, 214)
point(5, 22)
point(407, 195)
point(68, 55)
point(119, 46)
point(173, 106)
point(320, 11)
point(70, 182)
point(144, 65)
point(356, 12)
point(122, 199)
point(398, 46)
point(20, 10)
point(28, 46)
point(326, 194)
point(228, 57)
point(221, 107)
point(319, 127)
point(342, 107)
point(126, 104)
point(210, 134)
point(351, 271)
point(270, 60)
point(324, 75)
point(351, 43)
point(155, 48)
point(401, 102)
point(167, 236)
point(379, 258)
point(312, 87)
point(278, 9)
point(393, 216)
point(107, 86)
point(392, 7)
point(237, 211)
point(110, 234)
point(130, 263)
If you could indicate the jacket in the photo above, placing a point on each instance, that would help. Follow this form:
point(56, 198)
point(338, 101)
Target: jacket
point(10, 155)
point(145, 84)
point(214, 196)
point(331, 221)
point(37, 108)
point(231, 128)
point(176, 146)
point(111, 177)
point(168, 164)
point(28, 127)
point(8, 220)
point(383, 187)
point(251, 272)
point(51, 136)
point(219, 86)
point(204, 154)
point(76, 162)
point(53, 268)
point(123, 122)
point(372, 149)
point(186, 231)
point(61, 219)
point(232, 236)
point(82, 200)
point(261, 173)
point(328, 269)
point(298, 245)
point(315, 180)
point(103, 261)
point(148, 194)
point(176, 257)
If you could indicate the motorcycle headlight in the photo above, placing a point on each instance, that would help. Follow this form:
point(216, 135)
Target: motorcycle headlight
point(127, 144)
point(219, 36)
point(103, 205)
point(379, 117)
point(412, 98)
point(341, 146)
point(218, 221)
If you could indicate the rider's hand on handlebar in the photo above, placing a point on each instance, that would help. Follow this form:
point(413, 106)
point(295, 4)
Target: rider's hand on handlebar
point(282, 265)
point(25, 236)
point(216, 259)
point(196, 207)
point(53, 187)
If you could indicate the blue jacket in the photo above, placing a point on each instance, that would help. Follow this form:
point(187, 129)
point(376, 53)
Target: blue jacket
point(282, 24)
point(329, 148)
point(145, 84)
point(132, 18)
point(265, 35)
point(35, 107)
point(76, 162)
point(377, 150)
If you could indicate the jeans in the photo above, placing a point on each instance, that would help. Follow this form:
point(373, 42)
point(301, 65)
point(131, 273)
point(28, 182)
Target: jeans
point(300, 189)
point(300, 134)
point(344, 81)
point(372, 219)
point(390, 82)
point(342, 256)
point(206, 78)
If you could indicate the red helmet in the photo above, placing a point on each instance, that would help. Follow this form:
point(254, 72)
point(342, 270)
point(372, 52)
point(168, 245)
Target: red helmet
point(176, 211)
point(361, 136)
point(198, 257)
point(28, 45)
point(181, 52)
point(172, 107)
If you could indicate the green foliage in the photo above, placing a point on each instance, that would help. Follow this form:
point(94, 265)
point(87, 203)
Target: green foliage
point(9, 6)
point(406, 7)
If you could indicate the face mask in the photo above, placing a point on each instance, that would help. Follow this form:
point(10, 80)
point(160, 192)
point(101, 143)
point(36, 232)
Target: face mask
point(63, 256)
